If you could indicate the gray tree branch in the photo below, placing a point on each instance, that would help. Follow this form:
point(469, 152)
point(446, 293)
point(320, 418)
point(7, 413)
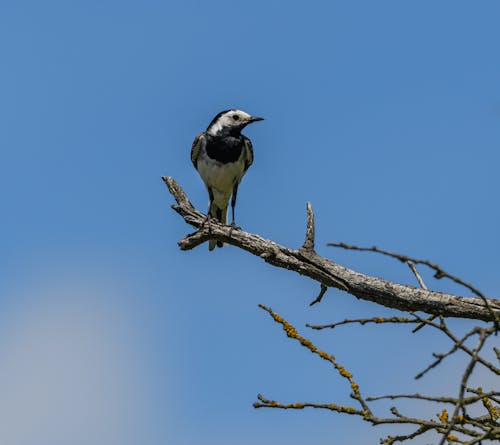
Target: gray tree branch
point(307, 262)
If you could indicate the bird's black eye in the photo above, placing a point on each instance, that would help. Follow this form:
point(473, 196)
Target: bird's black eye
point(235, 117)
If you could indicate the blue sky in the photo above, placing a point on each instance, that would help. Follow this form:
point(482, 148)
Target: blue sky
point(385, 115)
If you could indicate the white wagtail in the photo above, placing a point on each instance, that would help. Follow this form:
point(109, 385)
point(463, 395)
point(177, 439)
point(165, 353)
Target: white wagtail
point(222, 155)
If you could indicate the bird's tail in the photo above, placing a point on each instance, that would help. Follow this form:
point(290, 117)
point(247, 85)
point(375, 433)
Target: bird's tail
point(221, 216)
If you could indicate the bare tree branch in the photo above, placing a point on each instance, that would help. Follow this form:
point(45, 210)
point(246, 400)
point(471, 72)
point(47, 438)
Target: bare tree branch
point(363, 321)
point(458, 343)
point(307, 262)
point(343, 372)
point(463, 384)
point(439, 272)
point(320, 296)
point(452, 400)
point(309, 241)
point(415, 271)
point(461, 424)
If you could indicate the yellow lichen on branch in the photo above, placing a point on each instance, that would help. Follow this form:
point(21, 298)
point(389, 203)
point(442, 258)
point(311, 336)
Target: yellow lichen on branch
point(292, 333)
point(330, 406)
point(443, 417)
point(493, 411)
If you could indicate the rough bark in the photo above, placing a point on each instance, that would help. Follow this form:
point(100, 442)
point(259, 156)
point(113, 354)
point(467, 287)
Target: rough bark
point(306, 261)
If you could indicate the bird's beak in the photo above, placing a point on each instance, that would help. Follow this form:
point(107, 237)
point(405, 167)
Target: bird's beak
point(255, 119)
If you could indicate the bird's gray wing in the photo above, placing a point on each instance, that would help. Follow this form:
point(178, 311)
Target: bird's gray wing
point(248, 153)
point(199, 144)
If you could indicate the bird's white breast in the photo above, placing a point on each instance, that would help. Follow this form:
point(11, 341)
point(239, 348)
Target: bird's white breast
point(220, 177)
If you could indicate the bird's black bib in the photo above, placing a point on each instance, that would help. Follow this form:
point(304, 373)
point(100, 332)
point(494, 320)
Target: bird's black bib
point(224, 149)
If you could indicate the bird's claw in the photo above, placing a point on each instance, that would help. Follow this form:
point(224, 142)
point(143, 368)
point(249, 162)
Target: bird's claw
point(206, 221)
point(233, 226)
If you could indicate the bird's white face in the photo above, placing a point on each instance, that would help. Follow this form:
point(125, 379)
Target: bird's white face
point(231, 119)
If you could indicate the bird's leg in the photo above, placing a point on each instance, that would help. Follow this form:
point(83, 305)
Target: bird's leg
point(208, 216)
point(233, 205)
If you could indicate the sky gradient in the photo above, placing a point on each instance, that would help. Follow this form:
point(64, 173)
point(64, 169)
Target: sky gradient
point(385, 115)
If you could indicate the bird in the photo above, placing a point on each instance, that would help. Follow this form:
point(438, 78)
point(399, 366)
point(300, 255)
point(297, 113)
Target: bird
point(222, 155)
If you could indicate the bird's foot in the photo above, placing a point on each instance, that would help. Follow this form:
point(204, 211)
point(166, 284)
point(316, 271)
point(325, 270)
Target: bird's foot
point(206, 221)
point(233, 226)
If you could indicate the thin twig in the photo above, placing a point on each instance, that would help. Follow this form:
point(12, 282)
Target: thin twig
point(445, 330)
point(363, 321)
point(460, 425)
point(441, 357)
point(320, 296)
point(439, 272)
point(417, 396)
point(309, 241)
point(292, 333)
point(415, 271)
point(413, 268)
point(463, 385)
point(266, 403)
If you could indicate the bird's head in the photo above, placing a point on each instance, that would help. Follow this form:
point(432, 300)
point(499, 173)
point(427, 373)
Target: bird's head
point(230, 122)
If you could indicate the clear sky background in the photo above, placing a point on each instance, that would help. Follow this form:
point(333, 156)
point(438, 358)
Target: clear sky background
point(385, 115)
